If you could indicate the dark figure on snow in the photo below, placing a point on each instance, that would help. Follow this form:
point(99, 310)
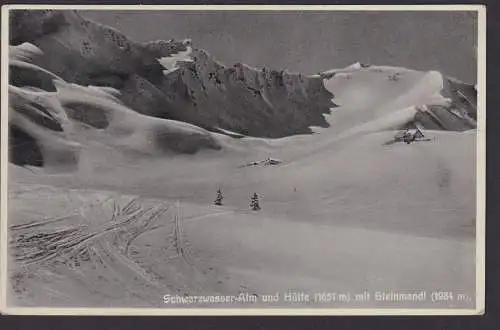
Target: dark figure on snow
point(254, 203)
point(218, 200)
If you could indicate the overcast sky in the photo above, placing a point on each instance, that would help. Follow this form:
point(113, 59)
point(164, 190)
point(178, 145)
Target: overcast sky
point(309, 42)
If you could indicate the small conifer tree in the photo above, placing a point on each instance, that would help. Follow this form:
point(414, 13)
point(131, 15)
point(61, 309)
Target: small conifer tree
point(254, 202)
point(219, 198)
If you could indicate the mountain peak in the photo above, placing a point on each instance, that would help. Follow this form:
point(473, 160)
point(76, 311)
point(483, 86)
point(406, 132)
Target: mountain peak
point(170, 83)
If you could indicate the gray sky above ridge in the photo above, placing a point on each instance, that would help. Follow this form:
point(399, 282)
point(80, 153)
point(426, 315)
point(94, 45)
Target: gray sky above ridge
point(310, 42)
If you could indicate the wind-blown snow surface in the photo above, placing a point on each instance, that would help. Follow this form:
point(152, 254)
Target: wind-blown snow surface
point(363, 216)
point(96, 174)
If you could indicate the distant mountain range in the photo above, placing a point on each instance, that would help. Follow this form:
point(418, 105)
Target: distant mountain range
point(73, 81)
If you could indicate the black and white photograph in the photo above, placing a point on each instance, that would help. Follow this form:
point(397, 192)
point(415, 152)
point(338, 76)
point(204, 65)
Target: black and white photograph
point(243, 159)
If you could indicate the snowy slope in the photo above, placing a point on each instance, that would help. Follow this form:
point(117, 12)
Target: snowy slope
point(362, 216)
point(50, 127)
point(365, 94)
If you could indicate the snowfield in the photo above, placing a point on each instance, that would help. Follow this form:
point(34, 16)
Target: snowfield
point(363, 217)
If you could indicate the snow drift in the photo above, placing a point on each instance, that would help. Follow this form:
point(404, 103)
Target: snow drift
point(429, 100)
point(47, 127)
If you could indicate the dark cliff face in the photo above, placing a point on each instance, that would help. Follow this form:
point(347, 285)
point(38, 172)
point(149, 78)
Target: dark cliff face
point(463, 96)
point(264, 103)
point(460, 114)
point(29, 25)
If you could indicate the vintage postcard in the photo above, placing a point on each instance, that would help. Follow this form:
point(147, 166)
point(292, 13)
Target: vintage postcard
point(243, 160)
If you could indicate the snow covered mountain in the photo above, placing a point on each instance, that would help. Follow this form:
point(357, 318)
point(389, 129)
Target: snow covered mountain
point(163, 97)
